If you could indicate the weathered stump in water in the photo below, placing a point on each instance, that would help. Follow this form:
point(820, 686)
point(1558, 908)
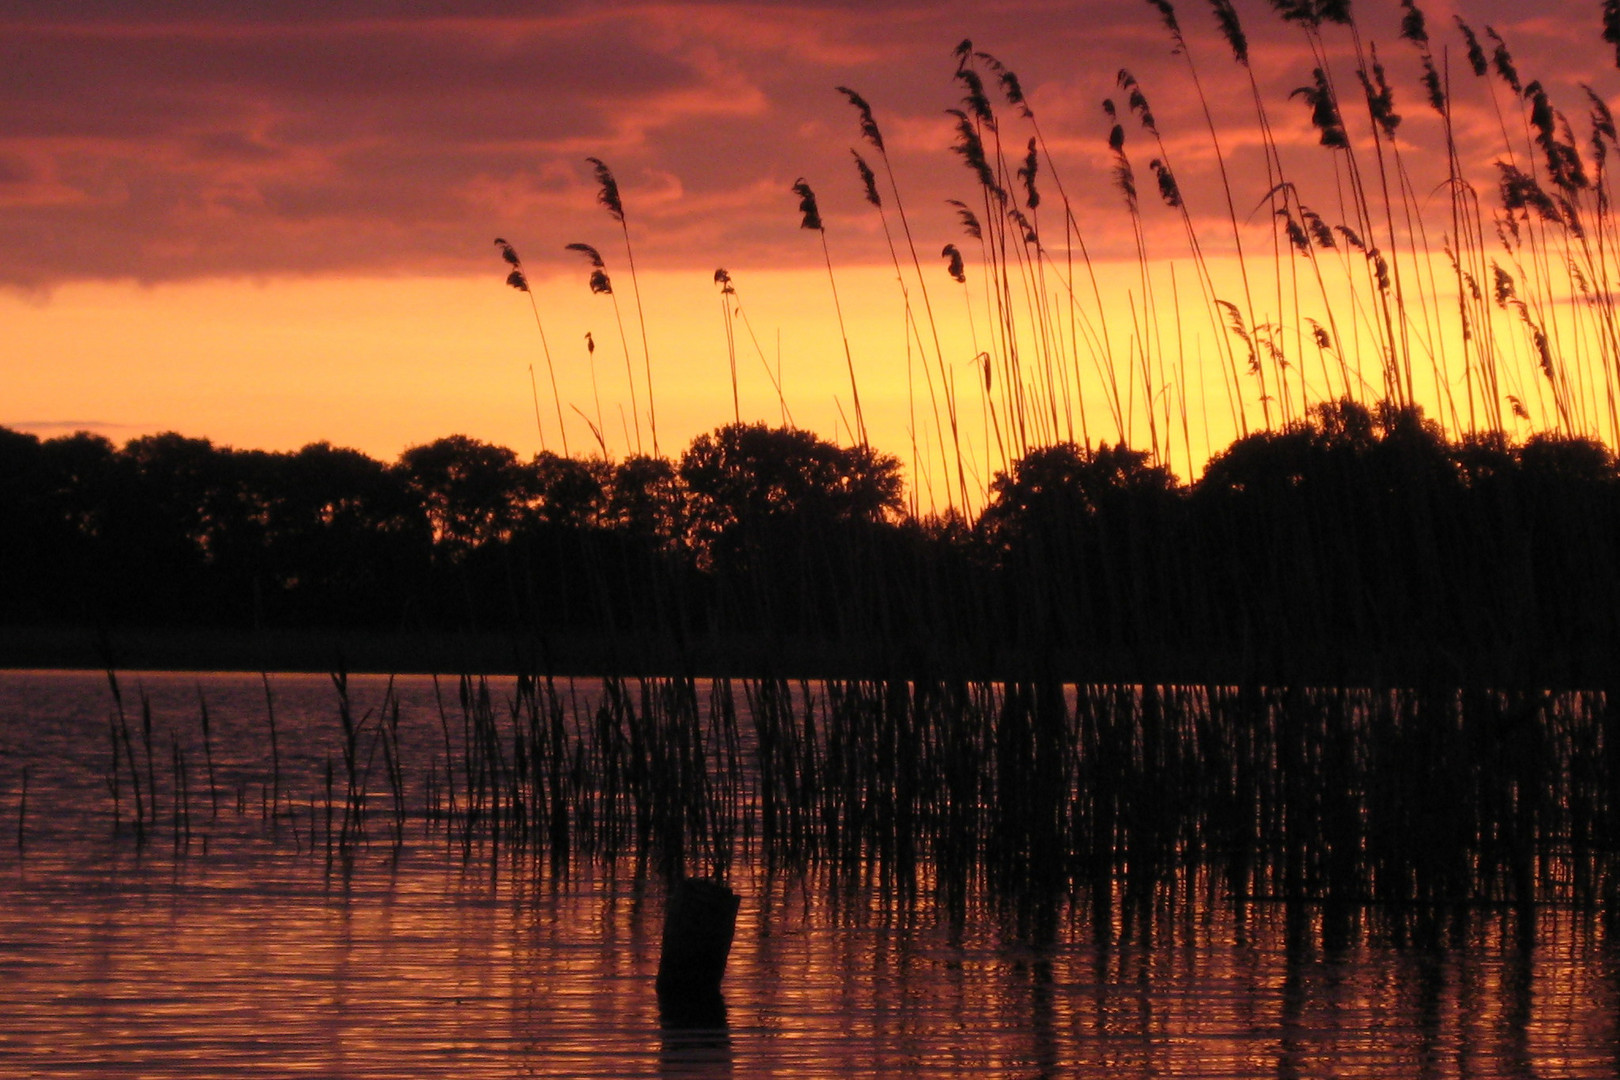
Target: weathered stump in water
point(700, 918)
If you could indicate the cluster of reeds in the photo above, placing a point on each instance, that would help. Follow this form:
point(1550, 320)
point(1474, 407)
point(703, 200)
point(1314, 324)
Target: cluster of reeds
point(1123, 797)
point(1016, 781)
point(1411, 264)
point(132, 757)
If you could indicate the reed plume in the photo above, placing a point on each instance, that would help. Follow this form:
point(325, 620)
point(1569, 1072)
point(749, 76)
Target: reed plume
point(810, 218)
point(608, 197)
point(520, 281)
point(601, 284)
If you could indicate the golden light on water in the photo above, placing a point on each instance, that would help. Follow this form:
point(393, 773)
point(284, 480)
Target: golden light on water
point(194, 968)
point(251, 951)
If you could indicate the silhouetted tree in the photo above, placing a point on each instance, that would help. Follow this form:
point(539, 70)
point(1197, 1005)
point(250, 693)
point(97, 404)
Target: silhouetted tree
point(1082, 537)
point(783, 519)
point(1356, 543)
point(473, 492)
point(570, 492)
point(743, 474)
point(648, 500)
point(347, 542)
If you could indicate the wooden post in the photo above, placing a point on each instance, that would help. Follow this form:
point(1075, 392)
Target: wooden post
point(700, 918)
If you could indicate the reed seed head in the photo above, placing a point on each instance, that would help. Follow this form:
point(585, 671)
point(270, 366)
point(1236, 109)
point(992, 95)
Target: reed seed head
point(1014, 91)
point(868, 179)
point(592, 256)
point(1116, 139)
point(1170, 191)
point(1432, 84)
point(1334, 11)
point(1476, 53)
point(1503, 286)
point(1026, 173)
point(1167, 12)
point(1602, 118)
point(1318, 229)
point(1503, 60)
point(1611, 26)
point(608, 196)
point(1413, 26)
point(869, 128)
point(1324, 111)
point(975, 100)
point(953, 264)
point(1136, 101)
point(1380, 98)
point(1296, 234)
point(1125, 180)
point(807, 206)
point(1234, 323)
point(969, 220)
point(1024, 227)
point(1380, 268)
point(1297, 11)
point(971, 149)
point(1226, 17)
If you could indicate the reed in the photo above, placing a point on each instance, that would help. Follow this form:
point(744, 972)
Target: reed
point(22, 814)
point(601, 284)
point(610, 200)
point(112, 778)
point(810, 218)
point(732, 309)
point(1350, 666)
point(275, 746)
point(208, 753)
point(180, 796)
point(151, 773)
point(955, 792)
point(519, 280)
point(1389, 300)
point(874, 136)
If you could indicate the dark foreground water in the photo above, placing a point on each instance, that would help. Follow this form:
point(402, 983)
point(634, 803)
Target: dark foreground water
point(249, 952)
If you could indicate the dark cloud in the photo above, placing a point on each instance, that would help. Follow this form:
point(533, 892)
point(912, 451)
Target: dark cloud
point(183, 139)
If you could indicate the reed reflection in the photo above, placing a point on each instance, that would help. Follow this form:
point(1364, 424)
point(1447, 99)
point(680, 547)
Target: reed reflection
point(445, 943)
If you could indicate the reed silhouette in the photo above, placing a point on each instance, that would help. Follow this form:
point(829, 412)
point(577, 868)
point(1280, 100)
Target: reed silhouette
point(1365, 655)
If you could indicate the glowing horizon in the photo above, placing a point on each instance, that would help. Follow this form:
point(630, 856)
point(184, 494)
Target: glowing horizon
point(270, 232)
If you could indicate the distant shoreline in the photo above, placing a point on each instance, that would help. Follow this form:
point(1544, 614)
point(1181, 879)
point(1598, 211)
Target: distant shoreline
point(362, 651)
point(304, 650)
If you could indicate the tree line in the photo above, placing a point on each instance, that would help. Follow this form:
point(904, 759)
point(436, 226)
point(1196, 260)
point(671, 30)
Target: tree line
point(1358, 545)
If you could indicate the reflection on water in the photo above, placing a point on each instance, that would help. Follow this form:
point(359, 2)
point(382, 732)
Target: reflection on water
point(259, 957)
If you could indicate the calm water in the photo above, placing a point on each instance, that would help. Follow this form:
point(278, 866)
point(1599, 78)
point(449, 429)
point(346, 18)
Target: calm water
point(247, 952)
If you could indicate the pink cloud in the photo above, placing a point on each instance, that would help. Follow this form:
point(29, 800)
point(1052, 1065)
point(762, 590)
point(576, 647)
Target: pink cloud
point(200, 139)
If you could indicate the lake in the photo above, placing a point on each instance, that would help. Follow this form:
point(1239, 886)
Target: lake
point(236, 941)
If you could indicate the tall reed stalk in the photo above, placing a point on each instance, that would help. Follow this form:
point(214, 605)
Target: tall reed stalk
point(610, 200)
point(520, 281)
point(810, 218)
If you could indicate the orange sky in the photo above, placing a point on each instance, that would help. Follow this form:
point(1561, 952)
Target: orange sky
point(270, 224)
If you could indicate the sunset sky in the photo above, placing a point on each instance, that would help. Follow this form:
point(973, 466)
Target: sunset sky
point(271, 223)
